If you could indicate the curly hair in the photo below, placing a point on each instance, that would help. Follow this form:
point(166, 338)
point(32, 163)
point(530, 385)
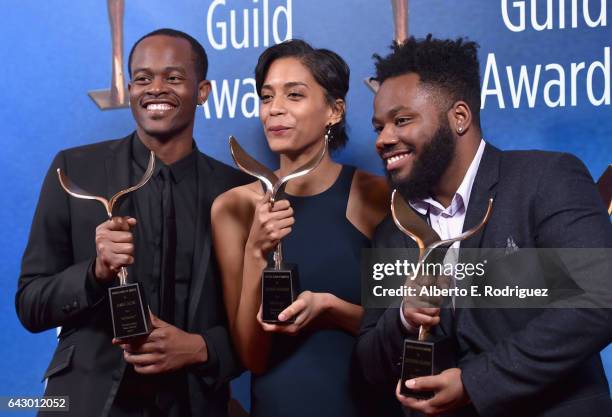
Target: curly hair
point(450, 66)
point(329, 70)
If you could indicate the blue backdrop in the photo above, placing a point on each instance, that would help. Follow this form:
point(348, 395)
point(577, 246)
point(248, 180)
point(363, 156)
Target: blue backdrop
point(546, 85)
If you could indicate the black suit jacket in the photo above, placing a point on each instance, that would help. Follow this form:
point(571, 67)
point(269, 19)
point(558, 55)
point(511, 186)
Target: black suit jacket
point(516, 362)
point(53, 289)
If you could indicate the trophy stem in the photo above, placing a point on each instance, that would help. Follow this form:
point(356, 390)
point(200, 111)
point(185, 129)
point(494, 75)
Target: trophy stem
point(123, 274)
point(400, 23)
point(423, 333)
point(116, 96)
point(115, 14)
point(400, 19)
point(278, 256)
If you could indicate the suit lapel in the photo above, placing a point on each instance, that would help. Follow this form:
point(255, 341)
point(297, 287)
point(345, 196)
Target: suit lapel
point(202, 245)
point(483, 189)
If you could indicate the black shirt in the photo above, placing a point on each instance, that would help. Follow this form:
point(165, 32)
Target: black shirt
point(164, 394)
point(148, 233)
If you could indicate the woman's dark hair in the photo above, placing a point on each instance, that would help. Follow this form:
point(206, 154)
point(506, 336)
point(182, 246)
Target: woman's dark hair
point(328, 69)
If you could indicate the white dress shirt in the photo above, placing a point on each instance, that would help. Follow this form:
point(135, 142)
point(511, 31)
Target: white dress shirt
point(448, 221)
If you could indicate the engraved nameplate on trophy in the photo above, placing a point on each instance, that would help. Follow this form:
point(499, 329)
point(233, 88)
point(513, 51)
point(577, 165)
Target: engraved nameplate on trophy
point(279, 282)
point(128, 304)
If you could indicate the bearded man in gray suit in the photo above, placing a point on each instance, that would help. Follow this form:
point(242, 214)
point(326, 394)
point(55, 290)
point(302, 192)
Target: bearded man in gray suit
point(517, 362)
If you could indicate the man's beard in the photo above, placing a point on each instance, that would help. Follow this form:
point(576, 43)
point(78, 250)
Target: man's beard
point(429, 167)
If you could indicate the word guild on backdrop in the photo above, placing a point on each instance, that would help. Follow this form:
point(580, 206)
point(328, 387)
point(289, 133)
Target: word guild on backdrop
point(259, 25)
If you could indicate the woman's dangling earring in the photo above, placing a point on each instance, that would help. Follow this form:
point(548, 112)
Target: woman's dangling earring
point(328, 134)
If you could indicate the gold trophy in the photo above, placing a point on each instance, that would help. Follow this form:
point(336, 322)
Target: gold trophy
point(129, 309)
point(117, 96)
point(429, 354)
point(279, 282)
point(400, 22)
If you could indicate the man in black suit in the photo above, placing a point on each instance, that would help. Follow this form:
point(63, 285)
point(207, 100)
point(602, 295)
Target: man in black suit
point(162, 232)
point(510, 362)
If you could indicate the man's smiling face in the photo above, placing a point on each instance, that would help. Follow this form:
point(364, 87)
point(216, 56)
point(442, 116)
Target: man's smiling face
point(414, 139)
point(164, 87)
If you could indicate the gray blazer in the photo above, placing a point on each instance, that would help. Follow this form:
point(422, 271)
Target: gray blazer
point(516, 362)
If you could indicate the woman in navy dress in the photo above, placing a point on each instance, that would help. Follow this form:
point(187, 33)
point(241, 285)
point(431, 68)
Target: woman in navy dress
point(327, 217)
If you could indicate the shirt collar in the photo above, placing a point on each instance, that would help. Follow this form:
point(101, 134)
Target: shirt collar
point(462, 196)
point(179, 169)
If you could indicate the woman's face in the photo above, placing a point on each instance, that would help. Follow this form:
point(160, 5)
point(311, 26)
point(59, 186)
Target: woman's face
point(294, 111)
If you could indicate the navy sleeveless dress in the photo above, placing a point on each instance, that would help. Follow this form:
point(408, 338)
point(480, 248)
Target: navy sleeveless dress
point(310, 374)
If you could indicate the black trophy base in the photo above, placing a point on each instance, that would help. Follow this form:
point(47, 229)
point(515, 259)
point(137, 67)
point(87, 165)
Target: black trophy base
point(129, 311)
point(424, 358)
point(279, 289)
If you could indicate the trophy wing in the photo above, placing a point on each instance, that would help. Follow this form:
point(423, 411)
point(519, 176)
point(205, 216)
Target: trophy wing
point(400, 22)
point(145, 178)
point(303, 170)
point(372, 83)
point(248, 164)
point(74, 190)
point(411, 223)
point(467, 234)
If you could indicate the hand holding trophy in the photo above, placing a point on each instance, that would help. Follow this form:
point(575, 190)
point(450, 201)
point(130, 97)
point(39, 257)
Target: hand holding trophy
point(279, 282)
point(129, 309)
point(429, 354)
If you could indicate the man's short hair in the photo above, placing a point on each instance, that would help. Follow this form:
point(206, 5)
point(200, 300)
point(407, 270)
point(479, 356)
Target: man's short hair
point(200, 60)
point(451, 66)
